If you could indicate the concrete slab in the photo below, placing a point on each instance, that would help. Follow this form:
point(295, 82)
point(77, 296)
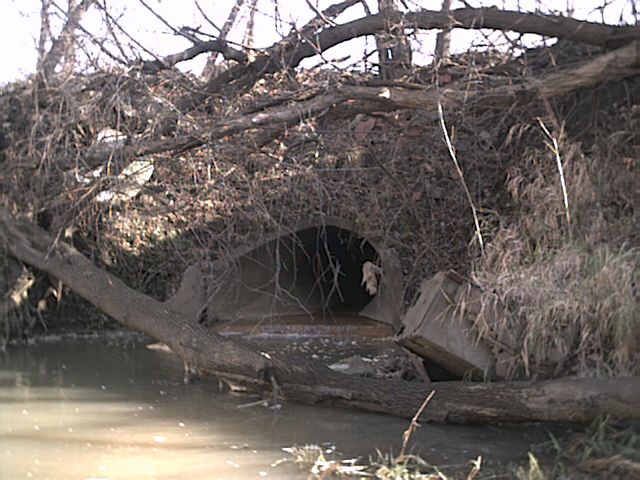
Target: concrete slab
point(438, 327)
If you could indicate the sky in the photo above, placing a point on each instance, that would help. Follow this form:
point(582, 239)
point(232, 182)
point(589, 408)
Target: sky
point(20, 24)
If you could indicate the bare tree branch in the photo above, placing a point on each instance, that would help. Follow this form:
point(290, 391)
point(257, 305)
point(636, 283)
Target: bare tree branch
point(350, 100)
point(443, 39)
point(276, 55)
point(553, 400)
point(175, 30)
point(61, 44)
point(289, 52)
point(223, 36)
point(69, 56)
point(312, 382)
point(115, 23)
point(251, 24)
point(217, 46)
point(394, 51)
point(546, 25)
point(45, 32)
point(100, 43)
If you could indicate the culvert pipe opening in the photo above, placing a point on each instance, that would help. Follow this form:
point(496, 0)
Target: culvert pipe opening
point(316, 270)
point(328, 264)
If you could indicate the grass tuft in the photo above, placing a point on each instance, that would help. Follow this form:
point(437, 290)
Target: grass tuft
point(569, 291)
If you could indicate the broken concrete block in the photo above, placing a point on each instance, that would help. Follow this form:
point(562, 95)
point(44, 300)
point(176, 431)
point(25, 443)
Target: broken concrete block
point(439, 327)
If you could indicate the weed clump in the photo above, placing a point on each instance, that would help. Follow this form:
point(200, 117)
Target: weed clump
point(569, 289)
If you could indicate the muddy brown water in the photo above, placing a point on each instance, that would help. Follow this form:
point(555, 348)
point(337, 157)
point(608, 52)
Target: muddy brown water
point(97, 408)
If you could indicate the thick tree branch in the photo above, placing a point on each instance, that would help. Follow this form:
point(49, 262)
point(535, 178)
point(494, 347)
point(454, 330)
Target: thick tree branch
point(579, 31)
point(290, 54)
point(546, 25)
point(218, 46)
point(394, 49)
point(619, 63)
point(555, 400)
point(189, 339)
point(270, 61)
point(443, 40)
point(222, 37)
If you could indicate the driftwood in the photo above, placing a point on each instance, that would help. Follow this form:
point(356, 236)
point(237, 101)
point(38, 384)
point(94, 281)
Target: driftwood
point(237, 362)
point(241, 363)
point(316, 37)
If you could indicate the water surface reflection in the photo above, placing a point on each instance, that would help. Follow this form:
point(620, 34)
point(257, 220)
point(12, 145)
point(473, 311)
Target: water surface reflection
point(113, 409)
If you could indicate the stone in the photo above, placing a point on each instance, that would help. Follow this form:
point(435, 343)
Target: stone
point(439, 327)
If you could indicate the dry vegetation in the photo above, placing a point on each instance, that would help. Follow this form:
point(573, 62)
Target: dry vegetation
point(565, 272)
point(570, 284)
point(604, 449)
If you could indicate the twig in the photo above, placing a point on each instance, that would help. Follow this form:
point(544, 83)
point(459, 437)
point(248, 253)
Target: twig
point(555, 148)
point(319, 14)
point(115, 23)
point(175, 30)
point(452, 153)
point(100, 43)
point(58, 45)
point(259, 403)
point(204, 15)
point(476, 466)
point(222, 37)
point(406, 435)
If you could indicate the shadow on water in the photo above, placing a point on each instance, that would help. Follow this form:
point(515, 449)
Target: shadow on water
point(114, 409)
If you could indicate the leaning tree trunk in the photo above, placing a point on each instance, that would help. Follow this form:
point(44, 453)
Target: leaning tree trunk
point(443, 39)
point(394, 50)
point(64, 44)
point(555, 400)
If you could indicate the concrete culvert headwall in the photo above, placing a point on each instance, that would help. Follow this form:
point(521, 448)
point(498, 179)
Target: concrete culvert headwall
point(316, 269)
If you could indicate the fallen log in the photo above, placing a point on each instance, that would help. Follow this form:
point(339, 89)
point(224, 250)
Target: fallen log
point(239, 362)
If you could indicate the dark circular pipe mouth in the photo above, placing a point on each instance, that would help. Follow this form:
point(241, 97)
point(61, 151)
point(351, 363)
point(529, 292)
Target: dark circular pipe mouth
point(316, 269)
point(333, 258)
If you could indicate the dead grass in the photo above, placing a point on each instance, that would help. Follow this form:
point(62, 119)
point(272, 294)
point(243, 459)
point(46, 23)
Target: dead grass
point(601, 450)
point(574, 310)
point(604, 450)
point(569, 290)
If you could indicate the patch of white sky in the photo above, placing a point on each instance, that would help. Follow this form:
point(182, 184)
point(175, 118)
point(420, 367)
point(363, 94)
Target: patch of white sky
point(20, 27)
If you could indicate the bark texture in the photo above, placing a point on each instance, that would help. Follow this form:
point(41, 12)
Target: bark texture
point(64, 43)
point(443, 40)
point(290, 51)
point(554, 400)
